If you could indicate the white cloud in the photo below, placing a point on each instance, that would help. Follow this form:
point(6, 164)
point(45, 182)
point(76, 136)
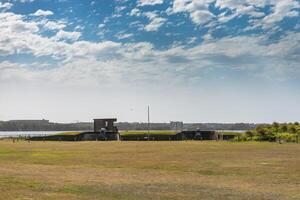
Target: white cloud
point(10, 71)
point(281, 10)
point(6, 6)
point(155, 24)
point(120, 8)
point(78, 27)
point(198, 10)
point(135, 12)
point(64, 35)
point(155, 21)
point(20, 36)
point(124, 36)
point(192, 40)
point(101, 25)
point(151, 15)
point(43, 13)
point(116, 60)
point(24, 27)
point(12, 23)
point(200, 14)
point(149, 2)
point(52, 25)
point(140, 61)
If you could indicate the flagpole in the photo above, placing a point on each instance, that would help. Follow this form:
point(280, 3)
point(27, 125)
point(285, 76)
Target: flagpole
point(148, 123)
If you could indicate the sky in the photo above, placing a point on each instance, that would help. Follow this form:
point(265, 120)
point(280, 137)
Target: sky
point(189, 60)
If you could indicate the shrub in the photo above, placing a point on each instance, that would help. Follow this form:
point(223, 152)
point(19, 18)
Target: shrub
point(240, 138)
point(256, 138)
point(286, 132)
point(287, 137)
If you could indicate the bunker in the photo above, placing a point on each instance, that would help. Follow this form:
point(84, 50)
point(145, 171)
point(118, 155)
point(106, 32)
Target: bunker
point(105, 123)
point(104, 129)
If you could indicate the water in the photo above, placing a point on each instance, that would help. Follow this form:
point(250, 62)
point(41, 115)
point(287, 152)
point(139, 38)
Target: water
point(26, 133)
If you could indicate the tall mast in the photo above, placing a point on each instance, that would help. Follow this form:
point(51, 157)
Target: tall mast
point(148, 123)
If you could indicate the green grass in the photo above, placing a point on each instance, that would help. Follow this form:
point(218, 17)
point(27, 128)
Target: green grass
point(231, 133)
point(69, 133)
point(149, 170)
point(131, 132)
point(151, 132)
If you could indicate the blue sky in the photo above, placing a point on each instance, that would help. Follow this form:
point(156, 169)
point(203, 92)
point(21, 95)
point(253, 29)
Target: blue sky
point(190, 60)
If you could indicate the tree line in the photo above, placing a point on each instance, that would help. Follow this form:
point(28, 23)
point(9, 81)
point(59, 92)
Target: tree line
point(289, 132)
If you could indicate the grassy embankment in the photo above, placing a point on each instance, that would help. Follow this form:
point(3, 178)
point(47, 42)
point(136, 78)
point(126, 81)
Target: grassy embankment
point(69, 133)
point(131, 132)
point(149, 170)
point(231, 133)
point(151, 132)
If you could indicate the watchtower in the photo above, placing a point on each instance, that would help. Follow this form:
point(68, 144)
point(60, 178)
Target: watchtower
point(106, 123)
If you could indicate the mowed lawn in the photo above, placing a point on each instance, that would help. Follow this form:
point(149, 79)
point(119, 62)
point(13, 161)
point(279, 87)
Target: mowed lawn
point(149, 170)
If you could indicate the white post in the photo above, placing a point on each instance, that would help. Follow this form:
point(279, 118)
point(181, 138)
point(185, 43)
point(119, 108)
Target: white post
point(148, 123)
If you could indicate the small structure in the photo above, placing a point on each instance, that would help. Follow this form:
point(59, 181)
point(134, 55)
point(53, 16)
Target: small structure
point(104, 129)
point(105, 123)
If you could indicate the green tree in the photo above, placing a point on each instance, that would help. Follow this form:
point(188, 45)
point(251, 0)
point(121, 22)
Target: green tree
point(284, 128)
point(293, 129)
point(261, 132)
point(249, 134)
point(276, 126)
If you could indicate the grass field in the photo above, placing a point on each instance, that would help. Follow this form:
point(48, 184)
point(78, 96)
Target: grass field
point(149, 170)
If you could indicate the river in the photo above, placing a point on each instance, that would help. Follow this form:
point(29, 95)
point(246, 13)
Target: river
point(26, 133)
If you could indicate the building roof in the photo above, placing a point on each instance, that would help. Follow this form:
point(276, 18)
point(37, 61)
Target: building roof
point(107, 119)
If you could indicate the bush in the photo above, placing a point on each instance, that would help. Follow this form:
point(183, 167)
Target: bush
point(284, 132)
point(287, 137)
point(256, 138)
point(241, 138)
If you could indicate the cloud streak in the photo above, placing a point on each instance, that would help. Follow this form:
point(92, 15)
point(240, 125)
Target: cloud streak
point(42, 13)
